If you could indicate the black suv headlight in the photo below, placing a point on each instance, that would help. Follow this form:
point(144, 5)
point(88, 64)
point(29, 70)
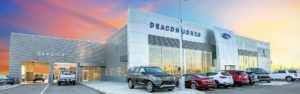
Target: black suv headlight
point(155, 78)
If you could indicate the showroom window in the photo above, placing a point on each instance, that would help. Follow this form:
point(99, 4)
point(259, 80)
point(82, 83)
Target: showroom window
point(247, 62)
point(168, 58)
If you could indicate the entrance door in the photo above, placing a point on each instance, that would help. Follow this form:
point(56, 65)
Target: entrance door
point(63, 66)
point(34, 72)
point(91, 73)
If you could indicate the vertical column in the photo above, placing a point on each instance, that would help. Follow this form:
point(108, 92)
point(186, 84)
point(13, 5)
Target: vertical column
point(51, 76)
point(79, 73)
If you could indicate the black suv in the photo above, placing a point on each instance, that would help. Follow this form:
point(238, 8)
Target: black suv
point(151, 77)
point(262, 74)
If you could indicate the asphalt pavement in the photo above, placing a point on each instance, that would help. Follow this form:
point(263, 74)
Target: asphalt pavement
point(292, 88)
point(50, 89)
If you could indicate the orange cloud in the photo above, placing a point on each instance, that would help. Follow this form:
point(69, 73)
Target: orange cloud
point(4, 58)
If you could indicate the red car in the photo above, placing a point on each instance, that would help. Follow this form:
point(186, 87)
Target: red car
point(240, 77)
point(197, 81)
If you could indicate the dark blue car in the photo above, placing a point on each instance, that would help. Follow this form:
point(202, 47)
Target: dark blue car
point(4, 79)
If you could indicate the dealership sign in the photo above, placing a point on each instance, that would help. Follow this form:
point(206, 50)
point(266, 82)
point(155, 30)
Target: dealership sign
point(169, 28)
point(226, 36)
point(50, 54)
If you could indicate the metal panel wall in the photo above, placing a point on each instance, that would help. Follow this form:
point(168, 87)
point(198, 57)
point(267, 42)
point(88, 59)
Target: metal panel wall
point(25, 47)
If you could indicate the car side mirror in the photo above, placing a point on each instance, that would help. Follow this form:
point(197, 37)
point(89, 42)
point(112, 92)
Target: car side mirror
point(143, 73)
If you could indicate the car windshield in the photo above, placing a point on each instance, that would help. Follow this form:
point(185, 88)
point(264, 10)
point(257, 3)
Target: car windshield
point(201, 76)
point(225, 73)
point(258, 70)
point(66, 72)
point(154, 70)
point(241, 73)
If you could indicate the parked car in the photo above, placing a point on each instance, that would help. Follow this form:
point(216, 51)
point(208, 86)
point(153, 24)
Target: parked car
point(151, 77)
point(239, 77)
point(252, 78)
point(262, 74)
point(198, 81)
point(38, 77)
point(222, 78)
point(4, 79)
point(288, 75)
point(67, 77)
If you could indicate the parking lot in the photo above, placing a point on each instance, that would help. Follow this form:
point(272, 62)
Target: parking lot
point(275, 87)
point(292, 88)
point(50, 89)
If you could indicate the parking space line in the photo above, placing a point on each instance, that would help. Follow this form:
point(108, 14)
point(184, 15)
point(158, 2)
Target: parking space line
point(45, 88)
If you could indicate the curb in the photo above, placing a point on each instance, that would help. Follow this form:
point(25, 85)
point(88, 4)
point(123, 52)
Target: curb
point(10, 87)
point(102, 91)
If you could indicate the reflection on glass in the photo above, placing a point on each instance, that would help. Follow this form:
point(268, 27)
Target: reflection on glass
point(168, 59)
point(247, 62)
point(91, 73)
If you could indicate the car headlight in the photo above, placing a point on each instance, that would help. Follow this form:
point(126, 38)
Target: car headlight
point(155, 78)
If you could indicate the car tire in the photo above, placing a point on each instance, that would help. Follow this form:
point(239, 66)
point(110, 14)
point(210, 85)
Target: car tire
point(34, 81)
point(193, 86)
point(269, 81)
point(226, 86)
point(217, 84)
point(289, 78)
point(74, 83)
point(130, 84)
point(59, 83)
point(12, 83)
point(150, 87)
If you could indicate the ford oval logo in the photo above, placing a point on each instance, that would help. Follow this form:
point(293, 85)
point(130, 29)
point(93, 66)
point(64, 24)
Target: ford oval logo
point(226, 36)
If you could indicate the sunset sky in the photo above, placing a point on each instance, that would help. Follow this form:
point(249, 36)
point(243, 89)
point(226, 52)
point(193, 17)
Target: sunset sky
point(274, 21)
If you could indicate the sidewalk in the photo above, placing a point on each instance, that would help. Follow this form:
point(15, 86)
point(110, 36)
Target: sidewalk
point(109, 87)
point(273, 83)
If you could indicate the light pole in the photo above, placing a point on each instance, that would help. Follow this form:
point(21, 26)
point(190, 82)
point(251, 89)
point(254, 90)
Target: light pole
point(181, 79)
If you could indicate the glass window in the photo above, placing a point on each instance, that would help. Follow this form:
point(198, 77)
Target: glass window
point(111, 71)
point(119, 71)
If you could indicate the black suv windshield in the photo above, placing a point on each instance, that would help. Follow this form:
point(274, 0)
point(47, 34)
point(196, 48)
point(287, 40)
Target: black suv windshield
point(154, 70)
point(259, 70)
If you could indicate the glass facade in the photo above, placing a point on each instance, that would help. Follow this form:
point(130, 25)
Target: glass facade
point(91, 73)
point(247, 62)
point(168, 58)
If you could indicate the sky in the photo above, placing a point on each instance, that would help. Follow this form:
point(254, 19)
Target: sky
point(273, 21)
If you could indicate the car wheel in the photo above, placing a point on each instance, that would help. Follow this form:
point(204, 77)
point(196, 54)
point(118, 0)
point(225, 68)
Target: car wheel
point(217, 84)
point(59, 83)
point(130, 84)
point(74, 82)
point(150, 86)
point(12, 83)
point(193, 86)
point(269, 81)
point(225, 86)
point(289, 78)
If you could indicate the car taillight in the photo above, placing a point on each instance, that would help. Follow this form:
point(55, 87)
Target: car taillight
point(223, 77)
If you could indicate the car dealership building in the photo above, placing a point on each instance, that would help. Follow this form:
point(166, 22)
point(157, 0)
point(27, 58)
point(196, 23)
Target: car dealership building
point(147, 39)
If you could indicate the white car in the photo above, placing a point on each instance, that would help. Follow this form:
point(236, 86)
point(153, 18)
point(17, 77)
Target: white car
point(222, 78)
point(288, 75)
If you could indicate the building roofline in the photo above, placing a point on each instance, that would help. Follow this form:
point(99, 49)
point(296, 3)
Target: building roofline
point(54, 37)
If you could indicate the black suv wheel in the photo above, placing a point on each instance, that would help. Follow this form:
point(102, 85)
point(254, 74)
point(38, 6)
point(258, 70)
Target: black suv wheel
point(130, 84)
point(150, 87)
